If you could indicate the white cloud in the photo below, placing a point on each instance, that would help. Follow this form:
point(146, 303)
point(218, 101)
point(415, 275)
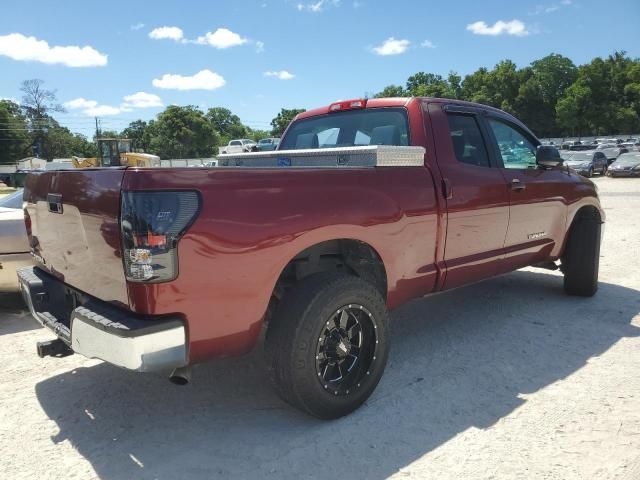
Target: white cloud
point(281, 75)
point(78, 103)
point(540, 9)
point(392, 46)
point(22, 48)
point(318, 6)
point(137, 26)
point(170, 33)
point(142, 100)
point(427, 44)
point(102, 111)
point(513, 27)
point(93, 109)
point(221, 38)
point(259, 46)
point(203, 80)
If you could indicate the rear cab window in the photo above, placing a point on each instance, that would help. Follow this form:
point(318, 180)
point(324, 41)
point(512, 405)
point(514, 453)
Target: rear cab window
point(372, 126)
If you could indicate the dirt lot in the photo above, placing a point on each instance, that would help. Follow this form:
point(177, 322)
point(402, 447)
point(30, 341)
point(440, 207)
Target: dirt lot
point(505, 379)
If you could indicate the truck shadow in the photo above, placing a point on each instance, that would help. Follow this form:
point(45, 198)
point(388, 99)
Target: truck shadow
point(459, 359)
point(14, 314)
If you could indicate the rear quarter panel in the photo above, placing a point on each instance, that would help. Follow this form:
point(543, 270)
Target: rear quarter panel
point(254, 221)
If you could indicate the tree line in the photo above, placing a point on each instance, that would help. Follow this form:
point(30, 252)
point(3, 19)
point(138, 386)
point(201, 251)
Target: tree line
point(552, 95)
point(29, 128)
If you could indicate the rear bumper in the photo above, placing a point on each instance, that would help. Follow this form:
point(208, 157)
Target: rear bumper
point(623, 173)
point(97, 329)
point(9, 263)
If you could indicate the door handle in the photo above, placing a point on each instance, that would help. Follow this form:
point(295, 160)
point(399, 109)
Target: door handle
point(517, 185)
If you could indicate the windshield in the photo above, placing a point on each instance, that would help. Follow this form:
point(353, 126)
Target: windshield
point(375, 126)
point(579, 157)
point(265, 140)
point(13, 200)
point(628, 159)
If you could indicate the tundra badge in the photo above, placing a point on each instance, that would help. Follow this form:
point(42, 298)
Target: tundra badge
point(537, 235)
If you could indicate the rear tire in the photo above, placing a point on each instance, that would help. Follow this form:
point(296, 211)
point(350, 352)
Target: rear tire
point(581, 259)
point(327, 345)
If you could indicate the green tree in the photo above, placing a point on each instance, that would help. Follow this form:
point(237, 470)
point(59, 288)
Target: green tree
point(14, 136)
point(140, 133)
point(391, 91)
point(183, 132)
point(572, 109)
point(226, 123)
point(38, 105)
point(62, 143)
point(283, 119)
point(431, 85)
point(256, 135)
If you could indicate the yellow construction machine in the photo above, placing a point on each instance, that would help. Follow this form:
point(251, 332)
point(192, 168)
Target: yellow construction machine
point(114, 152)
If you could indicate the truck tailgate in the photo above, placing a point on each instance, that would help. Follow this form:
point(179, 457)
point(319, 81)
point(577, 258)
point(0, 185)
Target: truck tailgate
point(73, 220)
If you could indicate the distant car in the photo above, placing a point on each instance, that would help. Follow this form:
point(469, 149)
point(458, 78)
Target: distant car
point(631, 146)
point(267, 144)
point(14, 244)
point(240, 146)
point(567, 144)
point(612, 152)
point(626, 165)
point(586, 163)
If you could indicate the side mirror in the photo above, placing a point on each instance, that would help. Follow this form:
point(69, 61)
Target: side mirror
point(548, 156)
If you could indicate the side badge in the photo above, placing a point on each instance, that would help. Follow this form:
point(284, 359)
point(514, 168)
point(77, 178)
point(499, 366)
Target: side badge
point(284, 162)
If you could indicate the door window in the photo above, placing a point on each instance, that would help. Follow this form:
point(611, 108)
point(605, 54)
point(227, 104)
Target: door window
point(468, 144)
point(516, 150)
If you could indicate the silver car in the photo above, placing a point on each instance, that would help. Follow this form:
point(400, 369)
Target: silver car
point(14, 245)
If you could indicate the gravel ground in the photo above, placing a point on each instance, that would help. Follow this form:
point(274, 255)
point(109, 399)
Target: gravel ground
point(504, 379)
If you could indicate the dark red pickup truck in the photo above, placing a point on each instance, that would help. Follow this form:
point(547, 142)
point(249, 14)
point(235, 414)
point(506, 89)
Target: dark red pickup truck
point(365, 205)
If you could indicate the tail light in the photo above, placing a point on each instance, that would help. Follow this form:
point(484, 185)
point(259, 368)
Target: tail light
point(151, 224)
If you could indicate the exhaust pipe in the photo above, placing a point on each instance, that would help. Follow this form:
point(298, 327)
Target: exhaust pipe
point(180, 376)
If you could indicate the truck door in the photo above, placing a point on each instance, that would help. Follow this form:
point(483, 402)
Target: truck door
point(477, 198)
point(537, 196)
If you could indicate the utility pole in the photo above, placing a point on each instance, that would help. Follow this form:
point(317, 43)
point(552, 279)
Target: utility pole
point(97, 128)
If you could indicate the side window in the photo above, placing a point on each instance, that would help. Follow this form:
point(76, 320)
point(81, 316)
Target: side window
point(235, 142)
point(468, 144)
point(517, 151)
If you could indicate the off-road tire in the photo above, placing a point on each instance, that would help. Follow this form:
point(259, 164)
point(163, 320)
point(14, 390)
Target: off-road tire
point(294, 334)
point(581, 259)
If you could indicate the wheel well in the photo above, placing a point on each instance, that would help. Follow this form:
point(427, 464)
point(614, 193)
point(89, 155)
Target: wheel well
point(586, 212)
point(341, 255)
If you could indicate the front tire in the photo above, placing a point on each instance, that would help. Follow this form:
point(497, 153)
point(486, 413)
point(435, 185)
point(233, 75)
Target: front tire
point(327, 345)
point(581, 259)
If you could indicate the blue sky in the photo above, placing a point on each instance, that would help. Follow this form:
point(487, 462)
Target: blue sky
point(124, 60)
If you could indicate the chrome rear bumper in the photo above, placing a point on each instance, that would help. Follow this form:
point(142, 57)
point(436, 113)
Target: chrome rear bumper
point(97, 329)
